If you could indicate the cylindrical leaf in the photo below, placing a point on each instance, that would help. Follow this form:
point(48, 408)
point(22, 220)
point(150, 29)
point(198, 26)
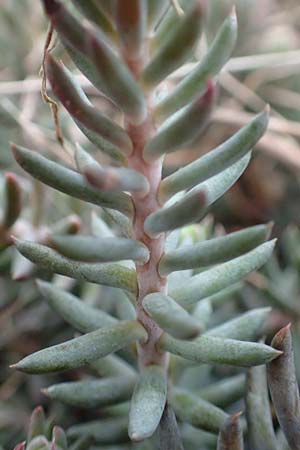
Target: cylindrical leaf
point(82, 350)
point(259, 419)
point(77, 104)
point(215, 350)
point(92, 393)
point(220, 277)
point(284, 388)
point(218, 54)
point(116, 79)
point(106, 431)
point(170, 316)
point(168, 431)
point(213, 251)
point(224, 392)
point(131, 21)
point(80, 315)
point(248, 326)
point(92, 249)
point(147, 403)
point(197, 412)
point(216, 160)
point(110, 178)
point(177, 47)
point(183, 127)
point(69, 182)
point(107, 274)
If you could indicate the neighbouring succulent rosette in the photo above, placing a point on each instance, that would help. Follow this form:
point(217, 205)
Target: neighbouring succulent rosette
point(43, 435)
point(167, 277)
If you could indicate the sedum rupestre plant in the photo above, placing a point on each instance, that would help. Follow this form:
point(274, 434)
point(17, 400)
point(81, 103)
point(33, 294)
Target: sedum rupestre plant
point(164, 276)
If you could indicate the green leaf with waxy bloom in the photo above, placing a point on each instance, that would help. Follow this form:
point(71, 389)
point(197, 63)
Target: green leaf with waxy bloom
point(217, 350)
point(248, 326)
point(92, 393)
point(213, 251)
point(13, 200)
point(224, 392)
point(231, 434)
point(170, 316)
point(83, 443)
point(106, 431)
point(108, 178)
point(116, 79)
point(91, 11)
point(107, 274)
point(68, 181)
point(182, 128)
point(92, 249)
point(220, 277)
point(131, 22)
point(284, 389)
point(147, 403)
point(176, 48)
point(72, 96)
point(194, 205)
point(218, 54)
point(217, 159)
point(113, 366)
point(80, 315)
point(82, 350)
point(187, 210)
point(259, 418)
point(197, 412)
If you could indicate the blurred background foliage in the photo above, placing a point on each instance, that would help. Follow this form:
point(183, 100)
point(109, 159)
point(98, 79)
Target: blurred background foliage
point(265, 69)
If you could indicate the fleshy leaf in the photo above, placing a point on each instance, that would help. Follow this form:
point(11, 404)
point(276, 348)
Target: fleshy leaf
point(107, 274)
point(92, 393)
point(259, 418)
point(107, 431)
point(168, 431)
point(68, 181)
point(176, 48)
point(217, 159)
point(218, 54)
point(131, 21)
point(213, 251)
point(224, 392)
point(248, 326)
point(284, 388)
point(170, 316)
point(216, 350)
point(82, 350)
point(194, 205)
point(80, 315)
point(92, 249)
point(147, 403)
point(110, 178)
point(197, 412)
point(79, 107)
point(182, 128)
point(220, 277)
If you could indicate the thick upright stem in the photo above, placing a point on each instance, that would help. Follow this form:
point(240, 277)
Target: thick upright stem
point(149, 279)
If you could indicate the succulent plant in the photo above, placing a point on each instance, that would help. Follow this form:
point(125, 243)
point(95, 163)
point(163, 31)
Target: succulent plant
point(164, 276)
point(39, 431)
